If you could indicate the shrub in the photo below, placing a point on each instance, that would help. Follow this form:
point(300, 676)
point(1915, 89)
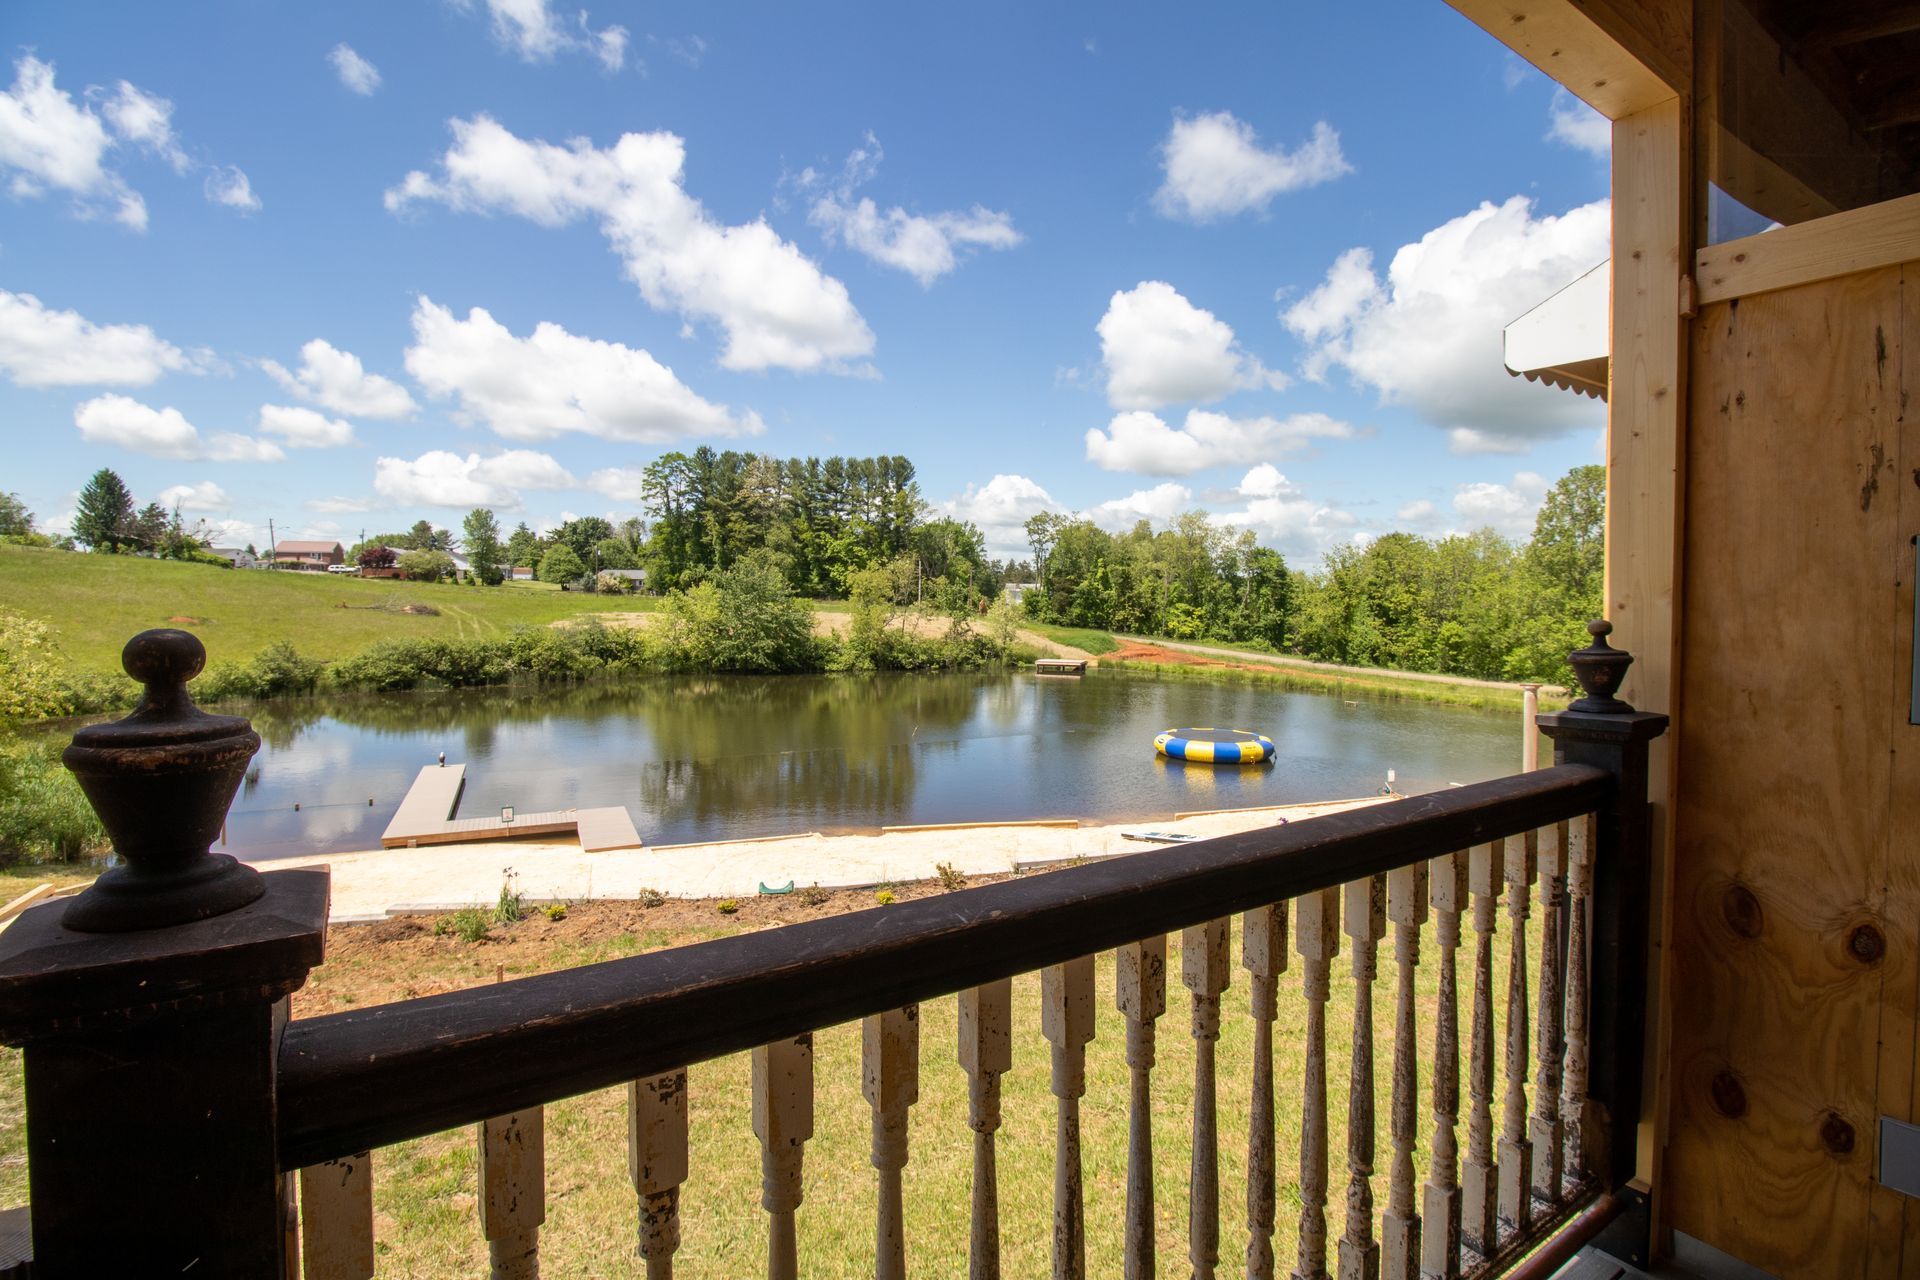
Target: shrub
point(560, 565)
point(950, 877)
point(425, 566)
point(885, 897)
point(510, 909)
point(554, 911)
point(44, 817)
point(469, 924)
point(649, 898)
point(744, 618)
point(36, 681)
point(814, 896)
point(726, 906)
point(278, 671)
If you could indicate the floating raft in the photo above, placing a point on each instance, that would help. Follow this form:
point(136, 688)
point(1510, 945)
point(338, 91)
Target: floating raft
point(1215, 746)
point(1060, 666)
point(428, 816)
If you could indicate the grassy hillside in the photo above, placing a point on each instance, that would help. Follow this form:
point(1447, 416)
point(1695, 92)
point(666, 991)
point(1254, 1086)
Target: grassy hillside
point(96, 602)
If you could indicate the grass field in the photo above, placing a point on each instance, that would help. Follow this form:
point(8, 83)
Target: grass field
point(95, 603)
point(1340, 684)
point(1083, 638)
point(424, 1190)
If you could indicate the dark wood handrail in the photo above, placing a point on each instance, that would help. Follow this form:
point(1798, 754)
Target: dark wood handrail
point(370, 1077)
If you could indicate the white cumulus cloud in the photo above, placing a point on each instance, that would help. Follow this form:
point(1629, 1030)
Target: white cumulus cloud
point(1428, 334)
point(553, 381)
point(1143, 442)
point(1578, 125)
point(227, 185)
point(205, 496)
point(146, 120)
point(1000, 508)
point(164, 433)
point(1509, 508)
point(925, 246)
point(339, 506)
point(40, 347)
point(776, 307)
point(1160, 349)
point(1216, 167)
point(536, 31)
point(1158, 505)
point(1282, 516)
point(355, 72)
point(49, 141)
point(303, 428)
point(442, 479)
point(336, 380)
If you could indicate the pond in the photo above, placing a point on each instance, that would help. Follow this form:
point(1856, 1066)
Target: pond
point(725, 757)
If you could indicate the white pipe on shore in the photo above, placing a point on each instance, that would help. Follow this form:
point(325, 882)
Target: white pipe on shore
point(1529, 731)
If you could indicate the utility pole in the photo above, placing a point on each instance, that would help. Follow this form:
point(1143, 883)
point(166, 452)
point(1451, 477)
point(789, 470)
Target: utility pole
point(273, 546)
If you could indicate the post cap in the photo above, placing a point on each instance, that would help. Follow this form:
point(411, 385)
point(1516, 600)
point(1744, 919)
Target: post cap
point(1600, 668)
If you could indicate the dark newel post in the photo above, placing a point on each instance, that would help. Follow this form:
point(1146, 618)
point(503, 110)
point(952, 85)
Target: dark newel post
point(146, 1005)
point(1603, 731)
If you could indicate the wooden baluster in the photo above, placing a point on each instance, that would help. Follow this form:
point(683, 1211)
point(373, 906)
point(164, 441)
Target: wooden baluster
point(1400, 1229)
point(513, 1191)
point(986, 1050)
point(783, 1121)
point(1317, 939)
point(1263, 949)
point(890, 1068)
point(1206, 970)
point(1440, 1227)
point(1581, 841)
point(1547, 1134)
point(1366, 911)
point(1140, 991)
point(336, 1219)
point(1066, 1019)
point(1480, 1191)
point(1516, 1148)
point(657, 1164)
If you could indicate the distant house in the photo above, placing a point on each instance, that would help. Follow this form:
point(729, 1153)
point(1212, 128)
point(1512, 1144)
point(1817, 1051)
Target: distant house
point(635, 579)
point(314, 557)
point(520, 573)
point(238, 557)
point(1016, 591)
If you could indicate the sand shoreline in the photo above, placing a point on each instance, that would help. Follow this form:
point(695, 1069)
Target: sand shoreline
point(374, 884)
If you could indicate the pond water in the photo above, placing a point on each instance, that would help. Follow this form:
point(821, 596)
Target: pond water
point(723, 757)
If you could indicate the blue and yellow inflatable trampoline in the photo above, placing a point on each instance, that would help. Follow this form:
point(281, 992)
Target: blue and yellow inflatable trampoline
point(1215, 746)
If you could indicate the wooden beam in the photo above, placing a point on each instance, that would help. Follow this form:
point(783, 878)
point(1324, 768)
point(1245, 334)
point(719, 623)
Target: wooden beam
point(1878, 235)
point(1617, 56)
point(1897, 104)
point(1831, 26)
point(1645, 453)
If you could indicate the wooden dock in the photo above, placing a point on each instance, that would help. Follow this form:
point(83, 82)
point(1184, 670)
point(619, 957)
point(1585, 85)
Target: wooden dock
point(428, 815)
point(1060, 666)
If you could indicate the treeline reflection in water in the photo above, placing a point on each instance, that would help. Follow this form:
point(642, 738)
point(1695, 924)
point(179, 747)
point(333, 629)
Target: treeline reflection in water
point(719, 757)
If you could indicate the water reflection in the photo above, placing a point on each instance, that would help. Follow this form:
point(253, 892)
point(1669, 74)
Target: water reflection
point(712, 758)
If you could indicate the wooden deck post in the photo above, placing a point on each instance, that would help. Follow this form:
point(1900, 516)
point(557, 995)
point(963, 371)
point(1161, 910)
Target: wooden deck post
point(146, 1005)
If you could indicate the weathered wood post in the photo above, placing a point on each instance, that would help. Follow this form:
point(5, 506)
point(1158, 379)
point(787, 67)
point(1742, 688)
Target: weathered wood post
point(1602, 731)
point(146, 1005)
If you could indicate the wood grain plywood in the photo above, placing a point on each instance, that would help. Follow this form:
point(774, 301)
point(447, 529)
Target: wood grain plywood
point(1784, 853)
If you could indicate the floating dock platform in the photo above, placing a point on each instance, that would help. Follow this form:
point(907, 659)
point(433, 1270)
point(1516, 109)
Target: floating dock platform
point(428, 815)
point(1060, 666)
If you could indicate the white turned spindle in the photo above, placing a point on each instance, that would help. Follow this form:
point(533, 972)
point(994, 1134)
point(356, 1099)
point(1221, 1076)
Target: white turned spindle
point(1366, 923)
point(986, 1051)
point(336, 1219)
point(513, 1191)
point(1480, 1190)
point(1263, 949)
point(1400, 1228)
point(1317, 938)
point(1545, 1129)
point(657, 1164)
point(1516, 1149)
point(1140, 992)
point(783, 1121)
point(890, 1079)
point(1066, 1019)
point(1440, 1209)
point(1582, 838)
point(1205, 968)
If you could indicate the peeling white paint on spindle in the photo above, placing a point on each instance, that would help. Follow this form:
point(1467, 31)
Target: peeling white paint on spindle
point(986, 1051)
point(513, 1191)
point(1440, 1207)
point(890, 1080)
point(1407, 893)
point(1140, 993)
point(783, 1121)
point(657, 1164)
point(1479, 1178)
point(1317, 939)
point(1263, 949)
point(336, 1219)
point(1516, 1148)
point(1205, 969)
point(1582, 839)
point(1545, 1129)
point(1066, 1019)
point(1366, 924)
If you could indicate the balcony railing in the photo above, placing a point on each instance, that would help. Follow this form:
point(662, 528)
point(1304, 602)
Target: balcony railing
point(170, 1102)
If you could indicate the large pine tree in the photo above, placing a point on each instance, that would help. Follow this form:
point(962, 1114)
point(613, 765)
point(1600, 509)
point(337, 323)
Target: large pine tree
point(104, 518)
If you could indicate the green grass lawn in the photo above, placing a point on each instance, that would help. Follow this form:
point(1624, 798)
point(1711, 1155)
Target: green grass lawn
point(96, 602)
point(1084, 638)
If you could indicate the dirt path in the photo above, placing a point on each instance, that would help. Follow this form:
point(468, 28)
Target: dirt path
point(1138, 649)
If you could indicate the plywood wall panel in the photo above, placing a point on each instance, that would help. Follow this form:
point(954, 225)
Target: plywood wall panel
point(1782, 1023)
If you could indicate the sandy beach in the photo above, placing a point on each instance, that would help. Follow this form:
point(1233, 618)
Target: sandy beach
point(375, 883)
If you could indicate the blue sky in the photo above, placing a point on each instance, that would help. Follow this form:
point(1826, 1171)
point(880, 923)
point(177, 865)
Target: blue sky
point(354, 264)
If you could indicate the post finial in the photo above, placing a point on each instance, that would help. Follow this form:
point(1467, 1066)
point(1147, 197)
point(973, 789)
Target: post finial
point(1600, 668)
point(161, 780)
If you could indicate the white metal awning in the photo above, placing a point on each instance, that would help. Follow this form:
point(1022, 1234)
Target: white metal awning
point(1563, 341)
